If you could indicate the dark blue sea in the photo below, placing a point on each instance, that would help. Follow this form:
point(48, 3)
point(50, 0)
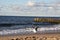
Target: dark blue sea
point(18, 24)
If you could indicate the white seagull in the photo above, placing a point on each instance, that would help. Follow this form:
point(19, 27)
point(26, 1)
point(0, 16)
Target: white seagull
point(35, 29)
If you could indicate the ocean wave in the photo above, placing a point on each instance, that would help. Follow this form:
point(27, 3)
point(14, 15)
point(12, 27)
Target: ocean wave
point(16, 31)
point(54, 28)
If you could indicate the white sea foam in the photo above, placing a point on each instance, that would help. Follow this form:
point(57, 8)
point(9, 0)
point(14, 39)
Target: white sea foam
point(20, 31)
point(29, 30)
point(52, 28)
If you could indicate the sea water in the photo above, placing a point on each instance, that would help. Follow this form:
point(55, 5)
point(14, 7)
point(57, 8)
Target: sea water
point(25, 25)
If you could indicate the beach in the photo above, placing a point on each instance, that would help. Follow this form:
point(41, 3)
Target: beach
point(31, 37)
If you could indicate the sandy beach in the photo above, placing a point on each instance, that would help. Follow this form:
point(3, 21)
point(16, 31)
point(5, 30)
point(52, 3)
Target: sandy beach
point(32, 37)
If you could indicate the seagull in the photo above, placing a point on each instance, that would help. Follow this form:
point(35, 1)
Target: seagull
point(35, 29)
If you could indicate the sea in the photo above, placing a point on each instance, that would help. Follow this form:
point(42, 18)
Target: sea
point(11, 25)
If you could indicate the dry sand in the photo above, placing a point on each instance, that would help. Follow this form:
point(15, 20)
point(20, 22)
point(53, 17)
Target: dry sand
point(32, 37)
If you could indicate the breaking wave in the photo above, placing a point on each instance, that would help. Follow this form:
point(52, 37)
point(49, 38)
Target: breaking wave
point(18, 30)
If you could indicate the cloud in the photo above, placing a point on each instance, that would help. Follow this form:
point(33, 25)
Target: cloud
point(29, 3)
point(32, 8)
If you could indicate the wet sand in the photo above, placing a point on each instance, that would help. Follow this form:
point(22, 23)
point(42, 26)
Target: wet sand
point(32, 37)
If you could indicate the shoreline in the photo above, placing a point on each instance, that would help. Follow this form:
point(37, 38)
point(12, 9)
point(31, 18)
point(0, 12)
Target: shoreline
point(10, 37)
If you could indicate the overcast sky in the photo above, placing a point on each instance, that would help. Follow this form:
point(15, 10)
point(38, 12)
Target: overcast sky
point(29, 8)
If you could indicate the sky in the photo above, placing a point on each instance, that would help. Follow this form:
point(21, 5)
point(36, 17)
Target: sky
point(7, 2)
point(29, 8)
